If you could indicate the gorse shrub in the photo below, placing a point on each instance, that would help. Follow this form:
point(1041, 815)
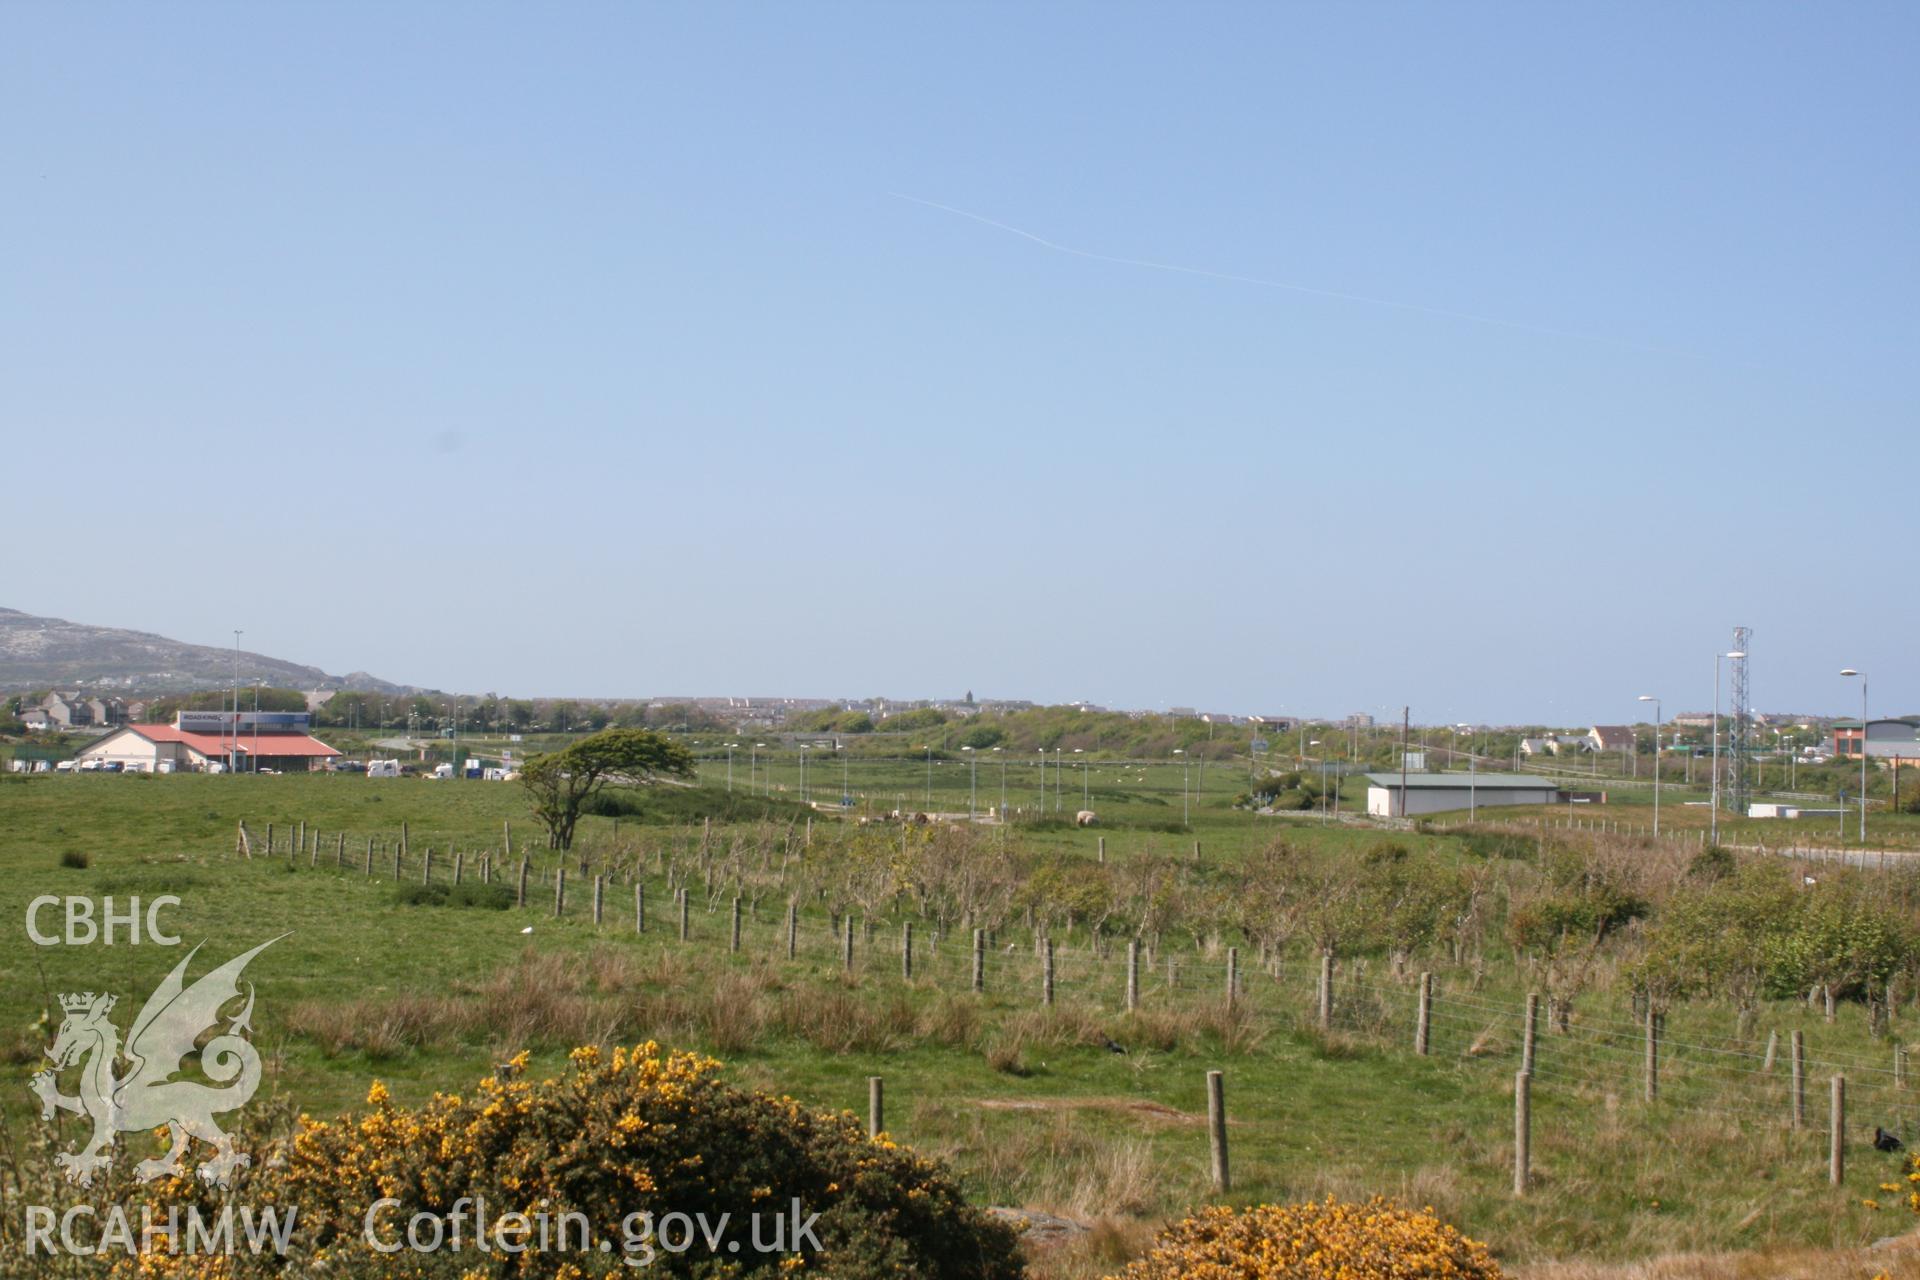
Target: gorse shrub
point(468, 893)
point(620, 1134)
point(1316, 1241)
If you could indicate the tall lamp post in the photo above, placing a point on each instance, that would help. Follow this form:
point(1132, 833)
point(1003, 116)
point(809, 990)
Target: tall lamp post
point(1657, 718)
point(233, 755)
point(1324, 815)
point(1184, 814)
point(1863, 749)
point(973, 783)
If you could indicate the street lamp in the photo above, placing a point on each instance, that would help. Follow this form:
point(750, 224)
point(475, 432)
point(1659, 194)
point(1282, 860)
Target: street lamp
point(1849, 671)
point(1647, 697)
point(973, 783)
point(1184, 818)
point(1323, 778)
point(1714, 834)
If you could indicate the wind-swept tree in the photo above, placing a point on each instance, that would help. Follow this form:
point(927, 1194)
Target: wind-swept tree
point(561, 782)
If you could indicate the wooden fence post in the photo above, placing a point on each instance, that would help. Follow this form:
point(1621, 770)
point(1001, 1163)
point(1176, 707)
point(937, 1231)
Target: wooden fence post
point(1133, 974)
point(1837, 1132)
point(559, 892)
point(340, 851)
point(1650, 1074)
point(906, 950)
point(1326, 990)
point(685, 923)
point(793, 929)
point(876, 1108)
point(1046, 972)
point(300, 840)
point(244, 846)
point(1217, 1131)
point(733, 930)
point(243, 826)
point(1529, 1034)
point(459, 867)
point(506, 838)
point(1797, 1094)
point(1773, 1050)
point(979, 960)
point(639, 907)
point(369, 867)
point(846, 943)
point(1103, 848)
point(1899, 1066)
point(1423, 1020)
point(397, 857)
point(403, 839)
point(1522, 1131)
point(1233, 975)
point(599, 891)
point(520, 896)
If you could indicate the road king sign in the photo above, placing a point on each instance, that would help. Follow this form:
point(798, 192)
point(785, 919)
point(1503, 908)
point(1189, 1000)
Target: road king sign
point(145, 1096)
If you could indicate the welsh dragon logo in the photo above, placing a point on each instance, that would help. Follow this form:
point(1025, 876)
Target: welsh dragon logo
point(146, 1096)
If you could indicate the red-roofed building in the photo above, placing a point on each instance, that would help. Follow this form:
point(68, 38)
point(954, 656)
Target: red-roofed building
point(162, 748)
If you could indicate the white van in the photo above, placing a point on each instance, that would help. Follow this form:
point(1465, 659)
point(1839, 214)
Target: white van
point(383, 768)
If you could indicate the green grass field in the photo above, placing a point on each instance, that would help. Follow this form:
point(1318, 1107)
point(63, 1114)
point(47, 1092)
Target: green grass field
point(1026, 1102)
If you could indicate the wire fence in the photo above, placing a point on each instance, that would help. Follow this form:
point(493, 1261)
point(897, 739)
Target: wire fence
point(1575, 1054)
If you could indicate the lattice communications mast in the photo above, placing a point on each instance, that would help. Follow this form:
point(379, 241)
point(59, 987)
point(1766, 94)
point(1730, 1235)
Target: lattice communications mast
point(1740, 728)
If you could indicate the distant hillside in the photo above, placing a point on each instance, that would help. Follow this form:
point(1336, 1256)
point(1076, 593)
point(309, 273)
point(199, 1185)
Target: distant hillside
point(39, 653)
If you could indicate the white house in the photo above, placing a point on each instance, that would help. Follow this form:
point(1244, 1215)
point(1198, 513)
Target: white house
point(160, 748)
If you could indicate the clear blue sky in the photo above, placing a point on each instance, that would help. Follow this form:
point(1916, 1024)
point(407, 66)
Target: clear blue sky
point(589, 349)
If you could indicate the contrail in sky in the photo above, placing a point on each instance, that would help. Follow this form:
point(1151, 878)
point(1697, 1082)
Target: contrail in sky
point(1261, 282)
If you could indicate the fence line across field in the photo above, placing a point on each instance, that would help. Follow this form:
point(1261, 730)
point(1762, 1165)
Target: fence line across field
point(1588, 1054)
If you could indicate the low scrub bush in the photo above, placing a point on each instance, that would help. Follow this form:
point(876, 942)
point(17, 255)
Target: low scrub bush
point(620, 1134)
point(468, 893)
point(1328, 1240)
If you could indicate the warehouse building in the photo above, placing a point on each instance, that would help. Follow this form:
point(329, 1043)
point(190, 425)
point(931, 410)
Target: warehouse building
point(212, 742)
point(1445, 792)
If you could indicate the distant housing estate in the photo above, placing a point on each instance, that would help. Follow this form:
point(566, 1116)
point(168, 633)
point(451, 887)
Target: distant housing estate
point(58, 712)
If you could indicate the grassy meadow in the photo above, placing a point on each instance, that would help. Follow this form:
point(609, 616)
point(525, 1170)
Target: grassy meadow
point(1029, 1103)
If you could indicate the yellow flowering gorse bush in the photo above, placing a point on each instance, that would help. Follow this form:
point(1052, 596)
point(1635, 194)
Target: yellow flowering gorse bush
point(1327, 1240)
point(620, 1132)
